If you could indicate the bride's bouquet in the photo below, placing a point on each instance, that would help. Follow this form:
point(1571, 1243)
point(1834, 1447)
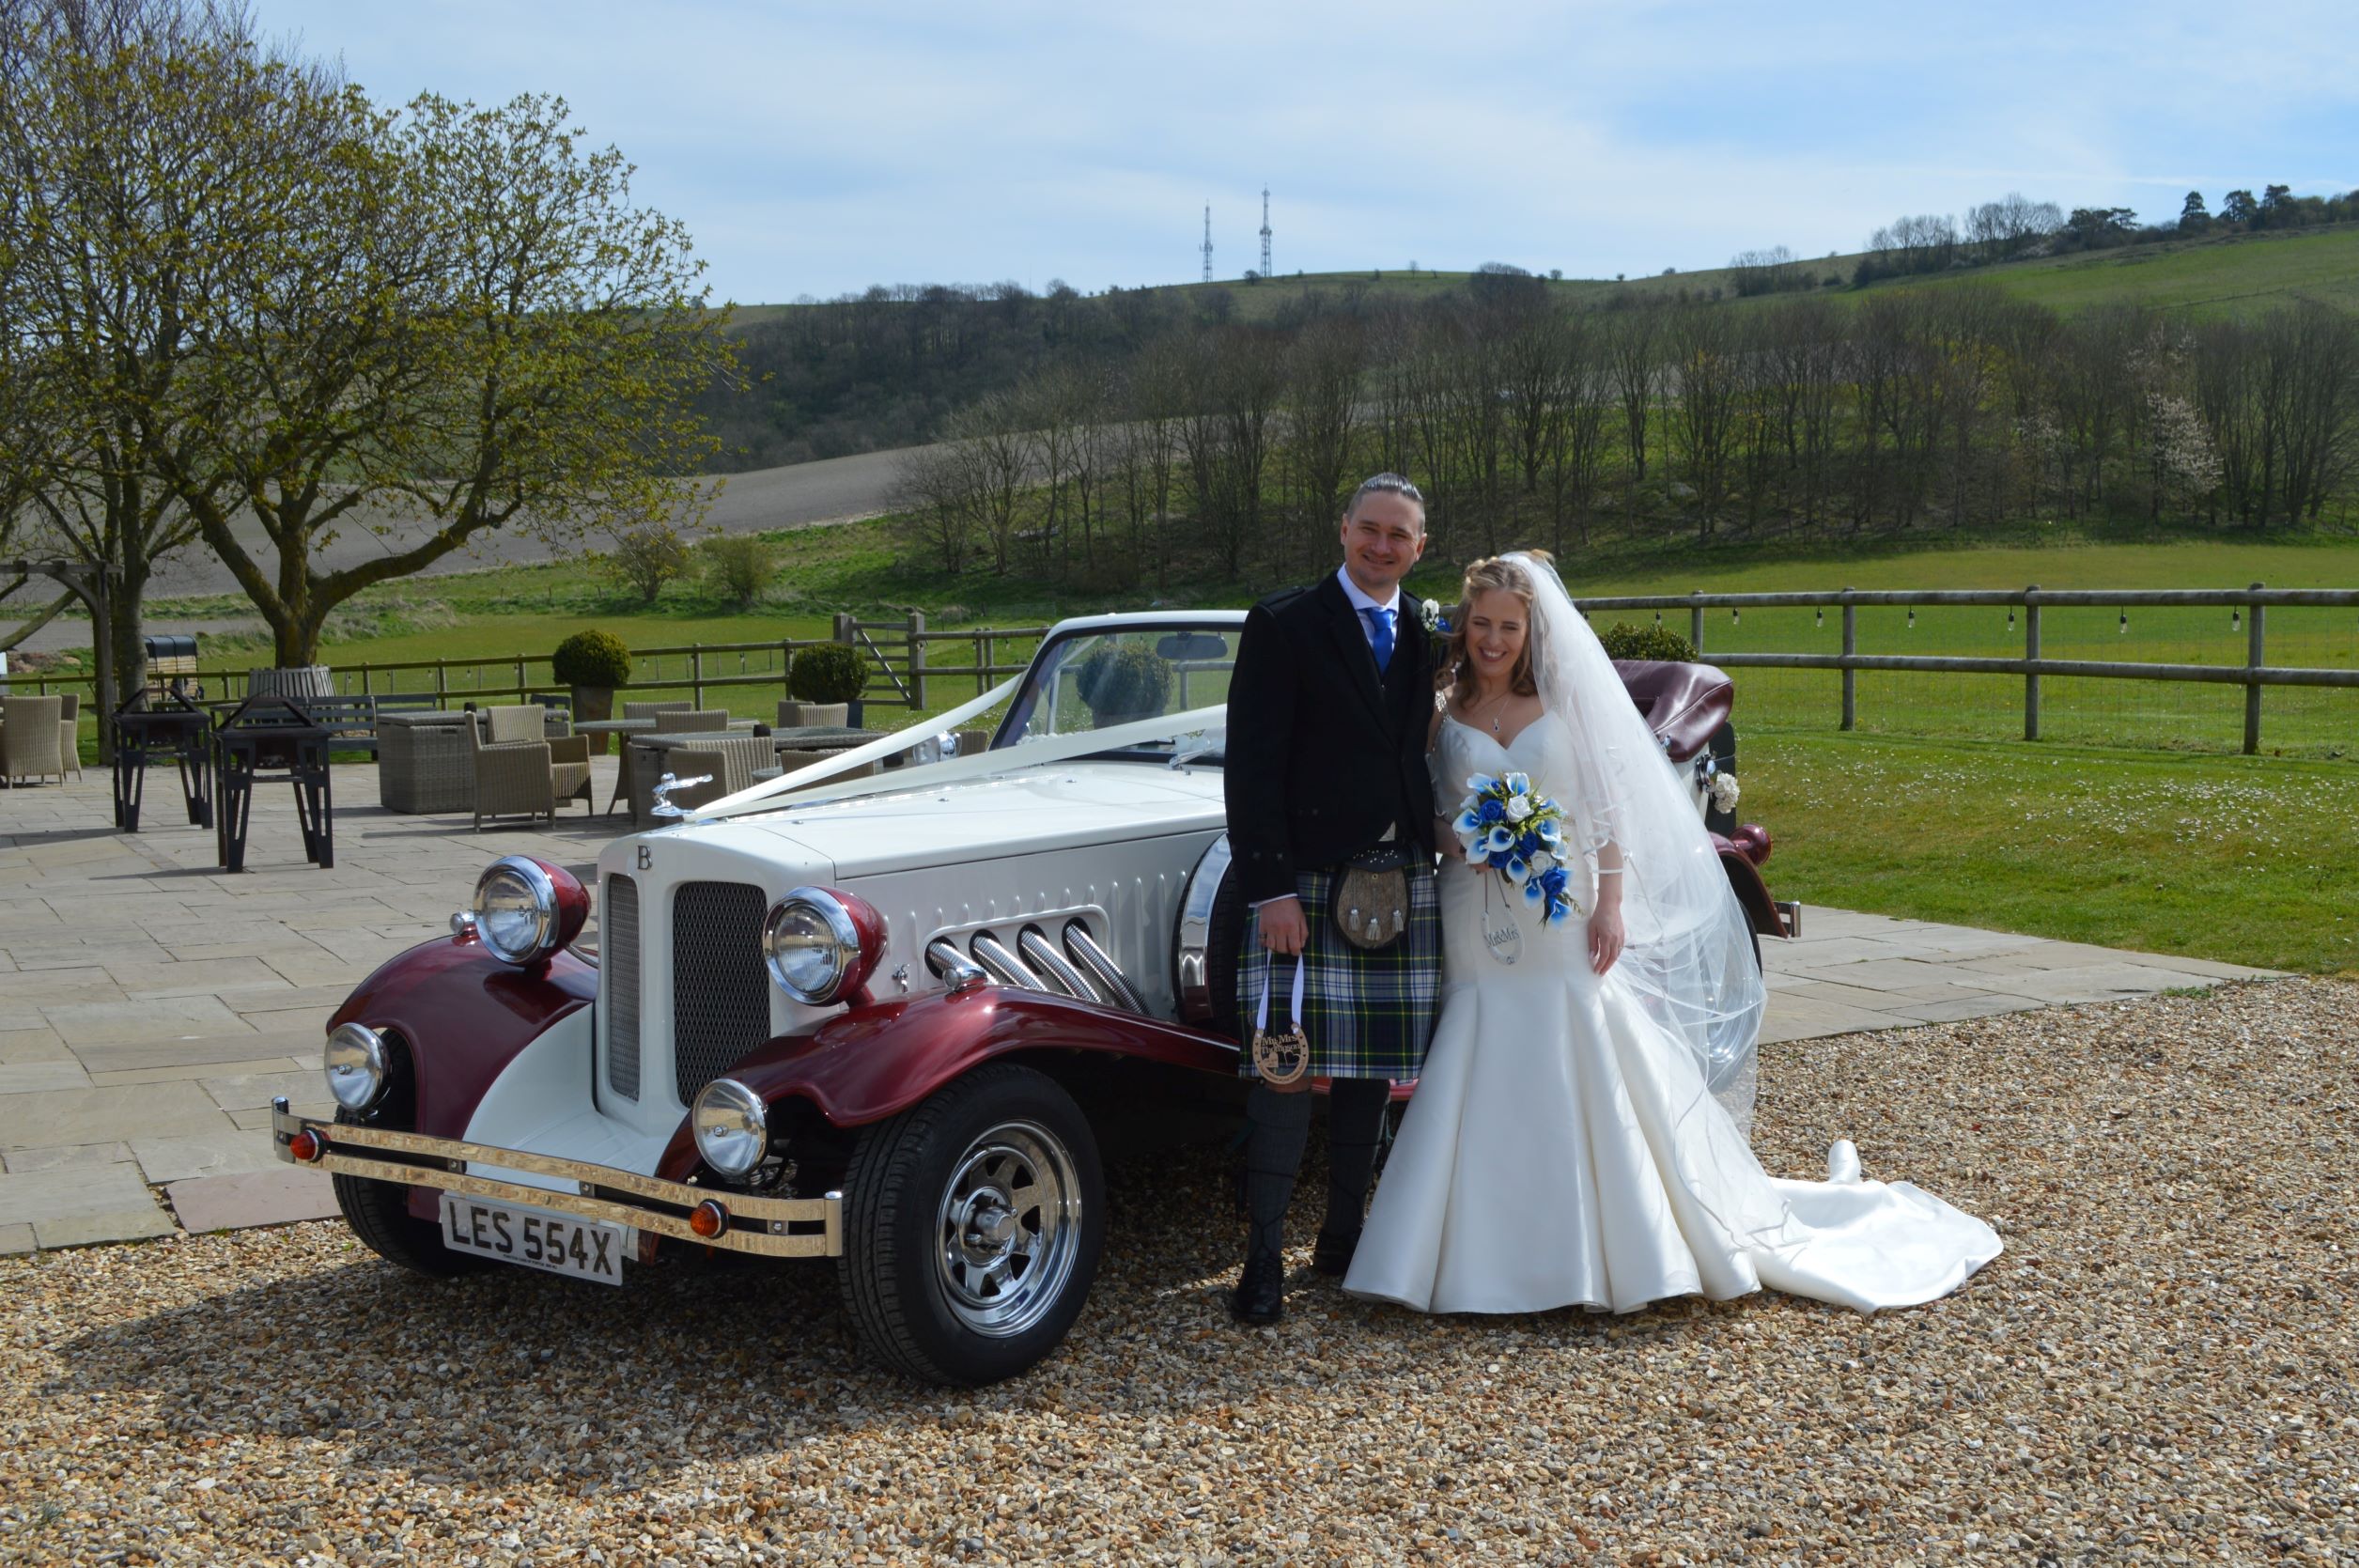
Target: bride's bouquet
point(1518, 832)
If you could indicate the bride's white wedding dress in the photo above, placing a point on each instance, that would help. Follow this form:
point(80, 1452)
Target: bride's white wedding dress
point(1563, 1149)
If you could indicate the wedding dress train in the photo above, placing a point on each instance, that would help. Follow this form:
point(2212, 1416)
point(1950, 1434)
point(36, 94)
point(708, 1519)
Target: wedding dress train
point(1563, 1148)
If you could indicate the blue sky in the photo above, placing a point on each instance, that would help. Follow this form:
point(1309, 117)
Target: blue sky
point(817, 147)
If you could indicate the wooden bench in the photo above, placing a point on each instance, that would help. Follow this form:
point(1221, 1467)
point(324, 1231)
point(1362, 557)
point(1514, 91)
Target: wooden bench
point(351, 721)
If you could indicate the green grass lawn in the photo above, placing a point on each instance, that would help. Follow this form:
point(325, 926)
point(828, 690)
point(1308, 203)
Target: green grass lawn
point(2245, 861)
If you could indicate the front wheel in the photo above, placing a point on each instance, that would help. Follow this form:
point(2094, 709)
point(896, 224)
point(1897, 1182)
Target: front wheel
point(378, 1213)
point(973, 1228)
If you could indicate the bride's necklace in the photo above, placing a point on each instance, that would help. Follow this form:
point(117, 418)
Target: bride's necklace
point(1498, 706)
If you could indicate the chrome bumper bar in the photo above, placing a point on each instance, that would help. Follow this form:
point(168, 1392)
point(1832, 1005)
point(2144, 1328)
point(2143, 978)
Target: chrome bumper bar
point(767, 1227)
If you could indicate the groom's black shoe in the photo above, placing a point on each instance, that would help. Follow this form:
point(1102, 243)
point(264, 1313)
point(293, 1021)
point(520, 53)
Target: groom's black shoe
point(1333, 1253)
point(1261, 1293)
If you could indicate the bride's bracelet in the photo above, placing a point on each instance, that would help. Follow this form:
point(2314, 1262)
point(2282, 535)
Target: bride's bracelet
point(1609, 871)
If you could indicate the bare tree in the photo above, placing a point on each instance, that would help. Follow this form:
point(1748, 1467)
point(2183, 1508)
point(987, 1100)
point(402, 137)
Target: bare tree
point(1634, 358)
point(1323, 378)
point(1704, 383)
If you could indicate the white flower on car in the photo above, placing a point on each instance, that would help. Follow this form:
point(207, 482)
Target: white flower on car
point(1724, 792)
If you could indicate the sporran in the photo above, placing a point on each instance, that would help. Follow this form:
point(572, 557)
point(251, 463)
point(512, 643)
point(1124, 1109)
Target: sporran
point(1371, 897)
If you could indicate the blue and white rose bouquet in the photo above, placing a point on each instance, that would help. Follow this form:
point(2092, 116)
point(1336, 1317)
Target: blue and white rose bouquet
point(1505, 824)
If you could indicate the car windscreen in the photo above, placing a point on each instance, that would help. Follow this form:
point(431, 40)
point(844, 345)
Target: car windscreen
point(1094, 680)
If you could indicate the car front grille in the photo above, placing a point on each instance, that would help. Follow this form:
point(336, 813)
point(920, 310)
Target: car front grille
point(721, 997)
point(618, 966)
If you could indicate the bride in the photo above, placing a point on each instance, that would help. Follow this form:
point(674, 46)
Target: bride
point(1580, 1132)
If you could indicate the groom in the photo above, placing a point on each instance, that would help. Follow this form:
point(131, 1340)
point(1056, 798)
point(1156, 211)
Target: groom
point(1328, 709)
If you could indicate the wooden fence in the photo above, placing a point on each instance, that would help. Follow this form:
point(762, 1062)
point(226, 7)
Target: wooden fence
point(903, 656)
point(906, 660)
point(2255, 675)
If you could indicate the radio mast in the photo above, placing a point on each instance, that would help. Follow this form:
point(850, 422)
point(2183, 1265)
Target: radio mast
point(1265, 231)
point(1207, 247)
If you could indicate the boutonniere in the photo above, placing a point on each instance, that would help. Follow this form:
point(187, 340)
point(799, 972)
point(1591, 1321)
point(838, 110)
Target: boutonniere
point(1429, 612)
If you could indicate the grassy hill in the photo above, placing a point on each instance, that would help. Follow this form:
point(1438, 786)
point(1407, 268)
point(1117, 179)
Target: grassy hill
point(2237, 274)
point(2219, 275)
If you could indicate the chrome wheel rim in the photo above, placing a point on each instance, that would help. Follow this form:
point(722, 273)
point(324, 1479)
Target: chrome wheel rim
point(1008, 1228)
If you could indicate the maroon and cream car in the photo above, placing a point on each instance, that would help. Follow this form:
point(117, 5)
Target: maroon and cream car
point(890, 1020)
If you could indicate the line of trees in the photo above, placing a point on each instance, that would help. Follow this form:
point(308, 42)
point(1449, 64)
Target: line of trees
point(247, 308)
point(2015, 227)
point(1231, 450)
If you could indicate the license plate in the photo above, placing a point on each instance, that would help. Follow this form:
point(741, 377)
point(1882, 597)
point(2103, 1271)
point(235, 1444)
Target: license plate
point(585, 1249)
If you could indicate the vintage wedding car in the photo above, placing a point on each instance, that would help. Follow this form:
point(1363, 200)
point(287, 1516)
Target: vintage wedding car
point(890, 1020)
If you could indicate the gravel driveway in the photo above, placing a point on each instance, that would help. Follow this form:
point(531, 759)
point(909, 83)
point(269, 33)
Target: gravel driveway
point(2158, 1369)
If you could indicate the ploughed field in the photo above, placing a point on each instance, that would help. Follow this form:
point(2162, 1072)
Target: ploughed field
point(2159, 1367)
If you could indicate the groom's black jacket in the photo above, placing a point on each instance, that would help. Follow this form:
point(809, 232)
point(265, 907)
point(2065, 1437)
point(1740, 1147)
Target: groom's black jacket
point(1323, 755)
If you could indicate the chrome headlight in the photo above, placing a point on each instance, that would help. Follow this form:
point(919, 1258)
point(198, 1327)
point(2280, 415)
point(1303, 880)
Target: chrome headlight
point(813, 947)
point(356, 1065)
point(732, 1125)
point(521, 912)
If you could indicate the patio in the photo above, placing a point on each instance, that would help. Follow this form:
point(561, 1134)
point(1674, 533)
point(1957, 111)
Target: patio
point(152, 1005)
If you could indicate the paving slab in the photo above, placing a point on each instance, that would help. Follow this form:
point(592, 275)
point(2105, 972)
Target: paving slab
point(230, 1152)
point(33, 1077)
point(278, 1196)
point(70, 1116)
point(210, 1049)
point(108, 1193)
point(15, 1239)
point(55, 1158)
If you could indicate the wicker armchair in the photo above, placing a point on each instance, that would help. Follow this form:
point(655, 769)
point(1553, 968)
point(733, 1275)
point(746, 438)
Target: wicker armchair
point(793, 715)
point(520, 773)
point(655, 711)
point(69, 733)
point(788, 761)
point(728, 762)
point(28, 739)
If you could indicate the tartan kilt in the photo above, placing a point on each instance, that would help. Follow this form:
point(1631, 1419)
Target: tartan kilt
point(1366, 1014)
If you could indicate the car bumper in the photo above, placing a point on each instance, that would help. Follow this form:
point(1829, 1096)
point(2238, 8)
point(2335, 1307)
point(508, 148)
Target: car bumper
point(765, 1227)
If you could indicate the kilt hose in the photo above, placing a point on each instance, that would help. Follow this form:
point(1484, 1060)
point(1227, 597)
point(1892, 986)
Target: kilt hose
point(1368, 1013)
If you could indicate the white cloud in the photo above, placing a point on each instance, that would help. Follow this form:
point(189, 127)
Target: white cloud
point(815, 149)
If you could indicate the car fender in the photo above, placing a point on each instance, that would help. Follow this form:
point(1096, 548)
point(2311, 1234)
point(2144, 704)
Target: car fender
point(868, 1063)
point(465, 1016)
point(1752, 891)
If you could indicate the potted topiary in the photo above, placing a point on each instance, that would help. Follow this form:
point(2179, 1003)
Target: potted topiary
point(825, 682)
point(1624, 641)
point(1125, 682)
point(593, 664)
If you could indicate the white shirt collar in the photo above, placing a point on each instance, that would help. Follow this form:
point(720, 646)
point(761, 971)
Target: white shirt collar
point(1361, 601)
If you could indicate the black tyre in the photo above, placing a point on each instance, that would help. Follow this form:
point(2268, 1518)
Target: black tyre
point(379, 1212)
point(973, 1225)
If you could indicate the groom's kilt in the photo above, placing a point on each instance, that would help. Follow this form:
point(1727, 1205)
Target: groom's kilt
point(1368, 1013)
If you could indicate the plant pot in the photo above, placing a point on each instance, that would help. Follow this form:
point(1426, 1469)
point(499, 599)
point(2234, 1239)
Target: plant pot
point(296, 681)
point(854, 714)
point(594, 702)
point(801, 714)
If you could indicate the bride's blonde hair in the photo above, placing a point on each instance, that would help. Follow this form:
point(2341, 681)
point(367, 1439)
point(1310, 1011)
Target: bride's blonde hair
point(1492, 573)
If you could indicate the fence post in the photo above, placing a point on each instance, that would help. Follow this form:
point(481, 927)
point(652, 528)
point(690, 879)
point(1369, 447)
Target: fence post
point(1851, 646)
point(983, 663)
point(917, 659)
point(696, 673)
point(441, 685)
point(2255, 656)
point(846, 629)
point(1695, 621)
point(2031, 654)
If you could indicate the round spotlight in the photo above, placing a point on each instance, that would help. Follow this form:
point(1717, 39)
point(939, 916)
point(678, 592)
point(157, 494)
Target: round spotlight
point(356, 1065)
point(732, 1126)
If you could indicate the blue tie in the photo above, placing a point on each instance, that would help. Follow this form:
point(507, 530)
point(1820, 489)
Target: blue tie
point(1380, 630)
